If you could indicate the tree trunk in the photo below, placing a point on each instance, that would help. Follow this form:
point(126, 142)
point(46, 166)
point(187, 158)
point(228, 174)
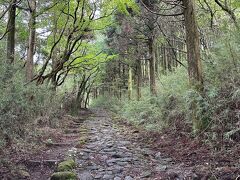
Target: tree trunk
point(89, 89)
point(157, 59)
point(31, 40)
point(152, 68)
point(81, 88)
point(11, 33)
point(193, 46)
point(164, 61)
point(54, 55)
point(146, 72)
point(130, 83)
point(193, 58)
point(139, 79)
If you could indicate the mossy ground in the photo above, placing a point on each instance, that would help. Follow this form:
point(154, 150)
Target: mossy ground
point(83, 136)
point(65, 175)
point(67, 165)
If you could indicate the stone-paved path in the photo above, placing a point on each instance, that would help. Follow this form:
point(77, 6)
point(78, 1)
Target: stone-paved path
point(106, 149)
point(111, 155)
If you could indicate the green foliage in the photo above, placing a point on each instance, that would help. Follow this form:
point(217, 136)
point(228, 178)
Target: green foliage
point(223, 82)
point(120, 5)
point(142, 112)
point(106, 102)
point(21, 103)
point(66, 175)
point(153, 113)
point(197, 110)
point(67, 165)
point(159, 112)
point(216, 109)
point(94, 55)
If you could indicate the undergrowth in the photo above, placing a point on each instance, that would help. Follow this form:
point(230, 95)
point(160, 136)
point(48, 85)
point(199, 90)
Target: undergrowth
point(20, 105)
point(217, 107)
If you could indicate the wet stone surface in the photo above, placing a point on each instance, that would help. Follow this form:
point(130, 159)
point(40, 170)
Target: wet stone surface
point(111, 155)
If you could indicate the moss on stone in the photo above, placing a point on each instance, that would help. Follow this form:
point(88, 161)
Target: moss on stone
point(82, 140)
point(67, 165)
point(83, 130)
point(21, 174)
point(65, 175)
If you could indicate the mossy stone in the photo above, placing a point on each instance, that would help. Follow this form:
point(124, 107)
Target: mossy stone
point(82, 140)
point(65, 175)
point(23, 174)
point(67, 165)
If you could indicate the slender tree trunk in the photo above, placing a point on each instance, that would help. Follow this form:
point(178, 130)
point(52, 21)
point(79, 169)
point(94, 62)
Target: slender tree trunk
point(193, 46)
point(119, 84)
point(54, 65)
point(124, 76)
point(169, 60)
point(54, 55)
point(156, 59)
point(146, 78)
point(11, 32)
point(143, 70)
point(89, 89)
point(152, 68)
point(31, 40)
point(130, 83)
point(164, 60)
point(139, 79)
point(81, 87)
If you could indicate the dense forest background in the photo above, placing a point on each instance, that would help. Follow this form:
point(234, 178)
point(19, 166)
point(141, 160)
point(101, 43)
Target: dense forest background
point(164, 66)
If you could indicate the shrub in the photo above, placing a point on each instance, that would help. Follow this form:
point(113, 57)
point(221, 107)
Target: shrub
point(154, 113)
point(21, 103)
point(107, 102)
point(214, 112)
